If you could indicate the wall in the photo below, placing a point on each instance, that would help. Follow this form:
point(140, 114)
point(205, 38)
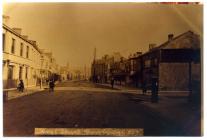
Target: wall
point(32, 63)
point(175, 76)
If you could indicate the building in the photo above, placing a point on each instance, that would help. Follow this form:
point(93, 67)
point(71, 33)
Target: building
point(65, 72)
point(133, 70)
point(21, 58)
point(118, 71)
point(175, 64)
point(50, 69)
point(103, 69)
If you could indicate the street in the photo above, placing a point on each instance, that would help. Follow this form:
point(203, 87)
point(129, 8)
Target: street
point(81, 104)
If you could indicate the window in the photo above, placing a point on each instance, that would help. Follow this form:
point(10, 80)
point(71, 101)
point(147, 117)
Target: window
point(26, 73)
point(20, 72)
point(3, 41)
point(10, 72)
point(27, 52)
point(21, 49)
point(13, 46)
point(147, 63)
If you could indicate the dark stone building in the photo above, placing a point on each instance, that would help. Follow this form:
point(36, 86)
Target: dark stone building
point(175, 63)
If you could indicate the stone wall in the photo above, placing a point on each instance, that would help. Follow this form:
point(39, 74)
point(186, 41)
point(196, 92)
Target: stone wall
point(175, 76)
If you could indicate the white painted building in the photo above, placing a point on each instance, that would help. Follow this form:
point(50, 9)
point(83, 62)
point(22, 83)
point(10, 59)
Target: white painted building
point(65, 72)
point(21, 59)
point(49, 67)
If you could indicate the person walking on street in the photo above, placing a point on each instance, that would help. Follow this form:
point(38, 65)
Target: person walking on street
point(51, 86)
point(112, 82)
point(21, 86)
point(144, 88)
point(154, 88)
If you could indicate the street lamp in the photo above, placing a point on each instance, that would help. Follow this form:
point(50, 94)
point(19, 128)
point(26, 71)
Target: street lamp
point(41, 72)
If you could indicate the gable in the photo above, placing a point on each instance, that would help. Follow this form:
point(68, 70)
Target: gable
point(188, 40)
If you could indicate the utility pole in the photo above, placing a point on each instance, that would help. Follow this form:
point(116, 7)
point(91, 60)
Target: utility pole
point(41, 70)
point(190, 81)
point(85, 71)
point(94, 61)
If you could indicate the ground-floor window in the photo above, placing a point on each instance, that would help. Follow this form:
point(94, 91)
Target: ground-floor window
point(10, 71)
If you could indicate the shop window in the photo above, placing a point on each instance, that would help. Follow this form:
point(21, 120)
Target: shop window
point(10, 71)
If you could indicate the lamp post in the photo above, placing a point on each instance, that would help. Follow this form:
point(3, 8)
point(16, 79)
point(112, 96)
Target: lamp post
point(41, 73)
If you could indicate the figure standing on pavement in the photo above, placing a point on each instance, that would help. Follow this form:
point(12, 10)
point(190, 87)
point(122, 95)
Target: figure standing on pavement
point(144, 88)
point(112, 82)
point(154, 88)
point(51, 85)
point(21, 86)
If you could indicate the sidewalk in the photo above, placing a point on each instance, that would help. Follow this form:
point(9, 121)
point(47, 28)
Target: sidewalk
point(12, 94)
point(139, 91)
point(122, 88)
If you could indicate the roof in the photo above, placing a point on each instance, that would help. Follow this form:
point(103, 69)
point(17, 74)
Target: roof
point(166, 44)
point(20, 36)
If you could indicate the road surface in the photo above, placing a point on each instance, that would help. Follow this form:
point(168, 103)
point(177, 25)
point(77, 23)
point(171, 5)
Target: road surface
point(81, 104)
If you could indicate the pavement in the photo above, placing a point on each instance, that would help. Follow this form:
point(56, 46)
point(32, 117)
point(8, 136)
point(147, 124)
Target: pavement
point(139, 91)
point(14, 93)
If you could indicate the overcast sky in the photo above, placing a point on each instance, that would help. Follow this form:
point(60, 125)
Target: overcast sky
point(72, 30)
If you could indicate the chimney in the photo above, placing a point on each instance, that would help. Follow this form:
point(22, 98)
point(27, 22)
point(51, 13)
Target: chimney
point(139, 53)
point(6, 20)
point(17, 30)
point(130, 56)
point(25, 37)
point(152, 46)
point(33, 42)
point(170, 37)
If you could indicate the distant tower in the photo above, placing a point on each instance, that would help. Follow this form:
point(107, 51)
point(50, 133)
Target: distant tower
point(93, 72)
point(94, 55)
point(85, 71)
point(67, 65)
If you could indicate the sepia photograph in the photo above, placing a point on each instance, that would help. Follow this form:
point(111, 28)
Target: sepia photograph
point(121, 69)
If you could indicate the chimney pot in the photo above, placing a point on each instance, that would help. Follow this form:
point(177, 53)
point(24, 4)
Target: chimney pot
point(25, 37)
point(151, 46)
point(6, 20)
point(170, 37)
point(18, 30)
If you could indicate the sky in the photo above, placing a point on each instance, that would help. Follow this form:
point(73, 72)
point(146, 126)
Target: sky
point(72, 30)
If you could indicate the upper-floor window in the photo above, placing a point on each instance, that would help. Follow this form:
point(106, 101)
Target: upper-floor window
point(21, 49)
point(13, 46)
point(154, 62)
point(147, 63)
point(27, 52)
point(26, 73)
point(3, 42)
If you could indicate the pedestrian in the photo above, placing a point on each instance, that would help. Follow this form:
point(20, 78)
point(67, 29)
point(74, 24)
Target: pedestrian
point(112, 82)
point(144, 88)
point(20, 86)
point(51, 86)
point(154, 88)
